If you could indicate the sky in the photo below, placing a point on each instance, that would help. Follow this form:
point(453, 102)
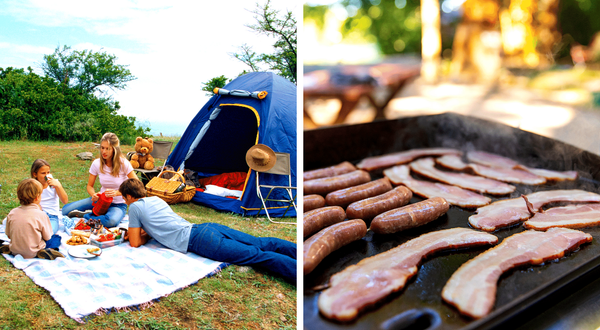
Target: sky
point(172, 47)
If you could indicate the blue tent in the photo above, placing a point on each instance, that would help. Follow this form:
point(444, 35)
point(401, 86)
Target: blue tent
point(217, 139)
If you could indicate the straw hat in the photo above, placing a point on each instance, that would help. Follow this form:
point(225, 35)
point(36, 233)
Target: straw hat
point(260, 158)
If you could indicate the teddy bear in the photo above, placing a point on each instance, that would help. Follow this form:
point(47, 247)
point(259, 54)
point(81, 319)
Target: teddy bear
point(142, 157)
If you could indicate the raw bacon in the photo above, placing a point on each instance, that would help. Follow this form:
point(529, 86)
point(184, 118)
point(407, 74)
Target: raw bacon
point(510, 211)
point(454, 195)
point(426, 167)
point(549, 174)
point(472, 288)
point(504, 174)
point(374, 278)
point(570, 216)
point(402, 157)
point(453, 162)
point(489, 159)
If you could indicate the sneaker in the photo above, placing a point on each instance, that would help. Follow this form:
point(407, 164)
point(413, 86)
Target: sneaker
point(49, 254)
point(78, 214)
point(5, 249)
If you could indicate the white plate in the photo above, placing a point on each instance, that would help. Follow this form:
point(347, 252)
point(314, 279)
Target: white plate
point(80, 251)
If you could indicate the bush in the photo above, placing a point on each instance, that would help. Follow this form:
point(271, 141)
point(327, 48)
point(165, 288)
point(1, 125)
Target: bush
point(40, 109)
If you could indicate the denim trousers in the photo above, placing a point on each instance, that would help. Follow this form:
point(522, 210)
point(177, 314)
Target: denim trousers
point(54, 222)
point(221, 243)
point(116, 212)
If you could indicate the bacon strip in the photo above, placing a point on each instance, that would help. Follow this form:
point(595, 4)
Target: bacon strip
point(453, 195)
point(570, 216)
point(472, 288)
point(453, 162)
point(426, 167)
point(372, 279)
point(504, 174)
point(549, 174)
point(510, 211)
point(489, 159)
point(402, 157)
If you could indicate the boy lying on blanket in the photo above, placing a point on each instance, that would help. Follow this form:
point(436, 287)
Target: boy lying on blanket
point(152, 217)
point(28, 227)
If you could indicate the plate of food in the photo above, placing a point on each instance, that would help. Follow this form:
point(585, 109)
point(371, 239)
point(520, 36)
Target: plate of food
point(85, 251)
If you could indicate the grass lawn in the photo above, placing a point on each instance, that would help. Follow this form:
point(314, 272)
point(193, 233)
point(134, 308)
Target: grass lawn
point(236, 298)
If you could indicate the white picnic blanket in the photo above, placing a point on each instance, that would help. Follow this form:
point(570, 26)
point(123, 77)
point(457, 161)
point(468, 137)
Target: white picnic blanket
point(121, 277)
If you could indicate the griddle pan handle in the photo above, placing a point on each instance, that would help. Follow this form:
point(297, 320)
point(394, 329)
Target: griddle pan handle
point(414, 319)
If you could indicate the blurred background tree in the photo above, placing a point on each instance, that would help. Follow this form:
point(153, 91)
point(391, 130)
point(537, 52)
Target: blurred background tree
point(477, 36)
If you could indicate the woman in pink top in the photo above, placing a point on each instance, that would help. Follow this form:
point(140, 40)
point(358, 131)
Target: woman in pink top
point(112, 168)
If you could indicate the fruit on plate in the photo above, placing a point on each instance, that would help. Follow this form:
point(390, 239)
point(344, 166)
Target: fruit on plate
point(81, 225)
point(106, 237)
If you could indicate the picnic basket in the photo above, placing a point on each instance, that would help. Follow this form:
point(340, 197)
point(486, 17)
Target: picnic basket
point(173, 190)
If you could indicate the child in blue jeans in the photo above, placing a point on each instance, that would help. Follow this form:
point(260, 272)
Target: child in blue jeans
point(152, 217)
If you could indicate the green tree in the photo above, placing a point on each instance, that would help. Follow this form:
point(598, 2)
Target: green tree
point(395, 25)
point(86, 70)
point(39, 108)
point(281, 27)
point(210, 85)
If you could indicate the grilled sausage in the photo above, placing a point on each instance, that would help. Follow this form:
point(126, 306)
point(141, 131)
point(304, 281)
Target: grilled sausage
point(341, 168)
point(312, 202)
point(320, 218)
point(346, 196)
point(324, 186)
point(367, 209)
point(329, 239)
point(409, 216)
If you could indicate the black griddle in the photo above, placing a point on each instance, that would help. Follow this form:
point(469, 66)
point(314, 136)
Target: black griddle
point(419, 305)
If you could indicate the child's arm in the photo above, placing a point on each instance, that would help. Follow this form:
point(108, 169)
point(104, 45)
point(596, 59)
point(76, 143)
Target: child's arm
point(60, 191)
point(136, 236)
point(90, 187)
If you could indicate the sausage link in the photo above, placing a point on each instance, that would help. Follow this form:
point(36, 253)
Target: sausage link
point(312, 202)
point(320, 218)
point(321, 244)
point(324, 186)
point(346, 196)
point(409, 216)
point(367, 209)
point(341, 168)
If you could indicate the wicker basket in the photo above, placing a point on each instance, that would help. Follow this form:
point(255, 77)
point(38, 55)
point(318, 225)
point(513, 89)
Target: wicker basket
point(165, 189)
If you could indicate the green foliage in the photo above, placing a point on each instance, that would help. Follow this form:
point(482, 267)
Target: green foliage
point(39, 108)
point(86, 70)
point(284, 29)
point(316, 13)
point(394, 24)
point(210, 85)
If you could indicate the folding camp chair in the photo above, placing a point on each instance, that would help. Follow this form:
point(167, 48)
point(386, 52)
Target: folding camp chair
point(161, 150)
point(281, 167)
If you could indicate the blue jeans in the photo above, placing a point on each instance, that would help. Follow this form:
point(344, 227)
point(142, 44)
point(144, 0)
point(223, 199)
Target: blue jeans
point(221, 243)
point(53, 222)
point(53, 242)
point(116, 212)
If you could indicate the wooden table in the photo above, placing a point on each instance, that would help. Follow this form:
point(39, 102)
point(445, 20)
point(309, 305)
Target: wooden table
point(349, 83)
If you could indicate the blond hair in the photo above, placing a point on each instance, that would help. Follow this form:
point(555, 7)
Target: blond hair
point(28, 190)
point(117, 157)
